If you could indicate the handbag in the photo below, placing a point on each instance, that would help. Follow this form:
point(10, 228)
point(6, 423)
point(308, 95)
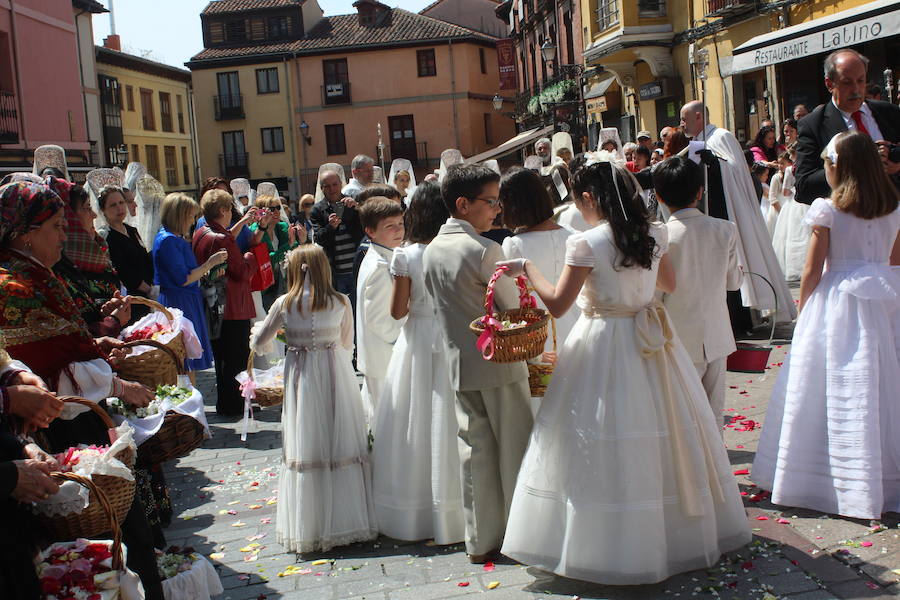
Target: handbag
point(264, 276)
point(212, 286)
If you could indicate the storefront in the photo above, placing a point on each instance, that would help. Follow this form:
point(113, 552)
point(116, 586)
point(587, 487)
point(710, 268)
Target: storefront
point(660, 103)
point(781, 69)
point(603, 107)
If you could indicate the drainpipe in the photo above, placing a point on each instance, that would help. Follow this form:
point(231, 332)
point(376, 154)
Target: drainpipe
point(294, 173)
point(192, 119)
point(303, 144)
point(87, 125)
point(15, 49)
point(452, 96)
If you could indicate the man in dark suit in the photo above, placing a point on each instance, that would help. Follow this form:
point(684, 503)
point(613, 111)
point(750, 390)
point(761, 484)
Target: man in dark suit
point(337, 228)
point(845, 78)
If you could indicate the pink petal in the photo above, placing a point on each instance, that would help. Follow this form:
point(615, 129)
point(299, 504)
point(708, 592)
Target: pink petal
point(782, 521)
point(865, 544)
point(762, 518)
point(742, 472)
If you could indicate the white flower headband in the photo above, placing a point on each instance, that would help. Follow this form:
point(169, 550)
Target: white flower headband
point(605, 156)
point(830, 151)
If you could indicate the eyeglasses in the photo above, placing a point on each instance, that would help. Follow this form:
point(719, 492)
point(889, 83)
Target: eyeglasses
point(307, 205)
point(492, 202)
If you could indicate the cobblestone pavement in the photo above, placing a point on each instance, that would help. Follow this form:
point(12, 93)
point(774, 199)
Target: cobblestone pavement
point(225, 495)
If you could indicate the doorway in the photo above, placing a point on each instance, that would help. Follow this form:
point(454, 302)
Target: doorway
point(403, 138)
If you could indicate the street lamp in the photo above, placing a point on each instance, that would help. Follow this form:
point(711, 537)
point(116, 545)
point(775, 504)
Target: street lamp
point(120, 154)
point(304, 132)
point(548, 51)
point(497, 102)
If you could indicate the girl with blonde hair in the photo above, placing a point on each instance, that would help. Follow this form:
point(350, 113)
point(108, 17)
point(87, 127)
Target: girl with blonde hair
point(325, 497)
point(831, 441)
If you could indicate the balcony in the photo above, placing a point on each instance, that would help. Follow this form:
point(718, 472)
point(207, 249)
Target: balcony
point(724, 8)
point(9, 119)
point(234, 165)
point(229, 106)
point(334, 94)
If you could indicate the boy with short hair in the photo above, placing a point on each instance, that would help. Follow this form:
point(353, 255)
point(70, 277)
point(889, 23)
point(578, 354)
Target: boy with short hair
point(703, 252)
point(492, 399)
point(376, 330)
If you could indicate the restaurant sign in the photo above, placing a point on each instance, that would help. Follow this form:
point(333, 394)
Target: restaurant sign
point(812, 40)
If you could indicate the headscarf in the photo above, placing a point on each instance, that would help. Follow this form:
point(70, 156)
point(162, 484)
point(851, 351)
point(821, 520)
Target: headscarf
point(449, 157)
point(86, 249)
point(24, 207)
point(611, 133)
point(97, 180)
point(20, 176)
point(402, 164)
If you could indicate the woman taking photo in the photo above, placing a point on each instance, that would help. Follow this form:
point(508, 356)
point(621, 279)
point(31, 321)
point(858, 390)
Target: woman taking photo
point(177, 272)
point(232, 348)
point(765, 147)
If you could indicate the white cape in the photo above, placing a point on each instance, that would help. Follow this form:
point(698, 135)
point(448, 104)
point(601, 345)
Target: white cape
point(754, 246)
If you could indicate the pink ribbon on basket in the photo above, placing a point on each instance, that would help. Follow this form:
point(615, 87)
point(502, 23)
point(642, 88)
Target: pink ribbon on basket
point(248, 391)
point(485, 343)
point(526, 300)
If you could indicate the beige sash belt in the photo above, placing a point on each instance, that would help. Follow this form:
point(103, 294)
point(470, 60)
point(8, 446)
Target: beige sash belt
point(653, 336)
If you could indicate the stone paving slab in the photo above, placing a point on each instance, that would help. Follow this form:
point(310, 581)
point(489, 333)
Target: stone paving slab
point(225, 496)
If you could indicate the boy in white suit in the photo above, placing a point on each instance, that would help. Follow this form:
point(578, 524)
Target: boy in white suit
point(703, 252)
point(492, 399)
point(376, 330)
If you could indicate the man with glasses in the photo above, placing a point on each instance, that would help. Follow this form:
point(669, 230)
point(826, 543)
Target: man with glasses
point(492, 399)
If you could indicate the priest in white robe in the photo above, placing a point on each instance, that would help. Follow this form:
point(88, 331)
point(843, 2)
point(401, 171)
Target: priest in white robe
point(754, 246)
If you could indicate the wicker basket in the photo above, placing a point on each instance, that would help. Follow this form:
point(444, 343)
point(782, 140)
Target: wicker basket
point(118, 492)
point(179, 435)
point(539, 373)
point(266, 397)
point(99, 497)
point(155, 367)
point(511, 345)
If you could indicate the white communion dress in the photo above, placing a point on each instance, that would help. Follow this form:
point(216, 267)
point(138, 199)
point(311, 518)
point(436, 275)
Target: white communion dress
point(625, 480)
point(791, 237)
point(831, 439)
point(415, 456)
point(325, 497)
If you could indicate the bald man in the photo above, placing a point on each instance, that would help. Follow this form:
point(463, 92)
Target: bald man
point(730, 184)
point(845, 77)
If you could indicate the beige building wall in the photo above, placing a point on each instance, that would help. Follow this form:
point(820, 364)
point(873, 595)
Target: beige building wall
point(131, 82)
point(269, 110)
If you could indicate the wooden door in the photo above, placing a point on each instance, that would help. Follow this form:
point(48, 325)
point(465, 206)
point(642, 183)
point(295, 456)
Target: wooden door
point(403, 138)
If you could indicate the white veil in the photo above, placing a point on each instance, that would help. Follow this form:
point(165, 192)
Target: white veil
point(493, 165)
point(611, 133)
point(96, 181)
point(377, 175)
point(240, 188)
point(133, 173)
point(149, 196)
point(449, 157)
point(50, 156)
point(401, 164)
point(561, 139)
point(339, 169)
point(534, 163)
point(267, 188)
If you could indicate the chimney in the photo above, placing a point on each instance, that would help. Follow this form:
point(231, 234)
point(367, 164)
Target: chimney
point(113, 42)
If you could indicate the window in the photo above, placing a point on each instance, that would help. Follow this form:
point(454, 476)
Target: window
point(229, 103)
point(165, 111)
point(607, 13)
point(481, 60)
point(180, 107)
point(652, 8)
point(129, 97)
point(267, 81)
point(334, 140)
point(185, 166)
point(135, 153)
point(272, 139)
point(236, 31)
point(234, 154)
point(149, 121)
point(152, 161)
point(425, 60)
point(488, 131)
point(336, 79)
point(279, 27)
point(171, 165)
point(216, 33)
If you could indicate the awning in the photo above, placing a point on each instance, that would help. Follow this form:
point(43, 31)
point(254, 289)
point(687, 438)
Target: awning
point(511, 145)
point(598, 89)
point(871, 21)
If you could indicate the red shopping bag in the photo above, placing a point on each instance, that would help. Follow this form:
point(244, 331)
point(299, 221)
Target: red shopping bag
point(264, 275)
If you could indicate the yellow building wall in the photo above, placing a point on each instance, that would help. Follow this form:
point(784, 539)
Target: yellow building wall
point(260, 111)
point(133, 130)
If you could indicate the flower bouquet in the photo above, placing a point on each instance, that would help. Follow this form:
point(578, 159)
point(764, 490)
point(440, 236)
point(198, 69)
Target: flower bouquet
point(153, 331)
point(84, 570)
point(186, 575)
point(171, 426)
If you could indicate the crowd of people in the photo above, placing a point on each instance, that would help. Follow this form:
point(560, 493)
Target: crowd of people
point(650, 256)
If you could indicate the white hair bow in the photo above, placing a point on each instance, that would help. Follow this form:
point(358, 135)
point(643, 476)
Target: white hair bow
point(605, 156)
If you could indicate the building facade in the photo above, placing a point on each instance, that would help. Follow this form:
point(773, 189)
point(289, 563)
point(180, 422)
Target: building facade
point(759, 59)
point(146, 114)
point(281, 89)
point(48, 92)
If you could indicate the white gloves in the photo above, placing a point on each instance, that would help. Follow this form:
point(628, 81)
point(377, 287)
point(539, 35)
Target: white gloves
point(516, 266)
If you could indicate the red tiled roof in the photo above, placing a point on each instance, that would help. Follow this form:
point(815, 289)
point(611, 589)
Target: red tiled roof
point(227, 6)
point(343, 32)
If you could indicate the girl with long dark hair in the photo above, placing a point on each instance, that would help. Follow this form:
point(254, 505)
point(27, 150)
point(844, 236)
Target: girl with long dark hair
point(625, 398)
